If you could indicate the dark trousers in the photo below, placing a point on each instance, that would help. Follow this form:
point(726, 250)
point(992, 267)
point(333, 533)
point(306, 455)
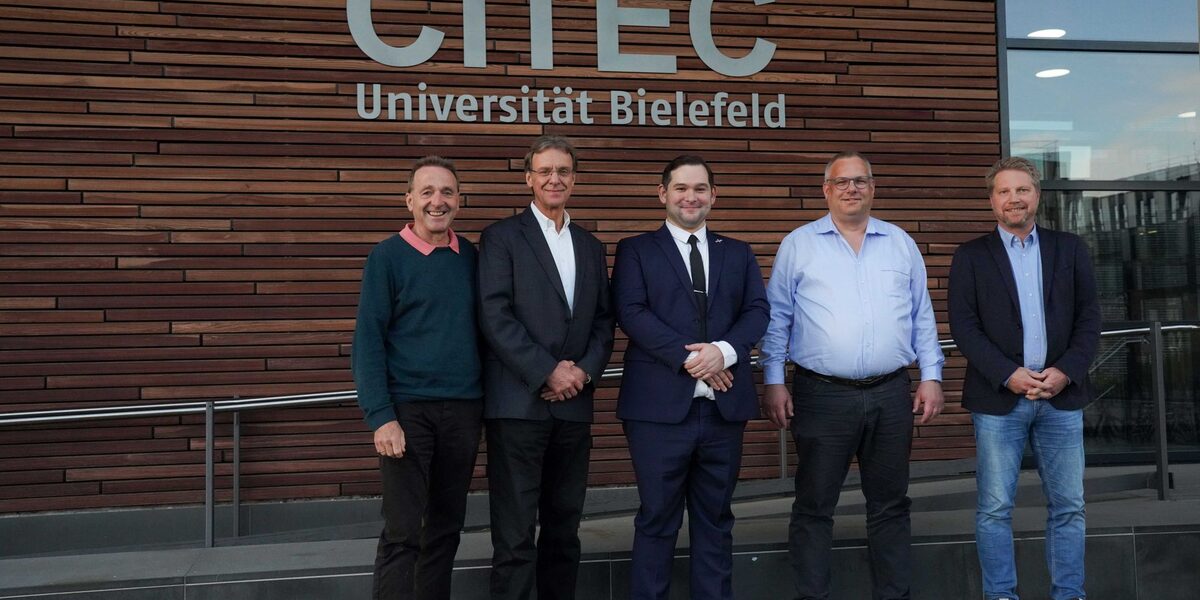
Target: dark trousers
point(696, 462)
point(425, 498)
point(832, 424)
point(537, 472)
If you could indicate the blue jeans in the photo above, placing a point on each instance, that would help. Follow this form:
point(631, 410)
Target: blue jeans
point(1057, 440)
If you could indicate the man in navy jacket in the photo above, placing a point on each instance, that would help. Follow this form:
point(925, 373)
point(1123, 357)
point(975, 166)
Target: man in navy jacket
point(1023, 310)
point(693, 305)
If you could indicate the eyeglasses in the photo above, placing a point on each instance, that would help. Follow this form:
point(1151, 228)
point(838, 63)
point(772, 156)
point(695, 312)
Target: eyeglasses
point(563, 172)
point(843, 183)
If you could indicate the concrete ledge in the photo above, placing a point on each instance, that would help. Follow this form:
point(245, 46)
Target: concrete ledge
point(1137, 547)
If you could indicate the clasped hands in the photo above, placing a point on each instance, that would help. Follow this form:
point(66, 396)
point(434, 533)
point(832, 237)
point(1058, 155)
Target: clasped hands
point(707, 363)
point(564, 382)
point(1037, 385)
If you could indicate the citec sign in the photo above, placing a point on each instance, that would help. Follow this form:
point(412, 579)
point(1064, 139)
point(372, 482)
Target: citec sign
point(564, 105)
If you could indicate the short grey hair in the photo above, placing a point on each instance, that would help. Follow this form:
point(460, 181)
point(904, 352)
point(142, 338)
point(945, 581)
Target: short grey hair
point(551, 142)
point(433, 161)
point(847, 154)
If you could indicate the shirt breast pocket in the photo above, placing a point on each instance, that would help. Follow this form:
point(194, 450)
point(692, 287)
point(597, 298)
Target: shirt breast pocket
point(895, 281)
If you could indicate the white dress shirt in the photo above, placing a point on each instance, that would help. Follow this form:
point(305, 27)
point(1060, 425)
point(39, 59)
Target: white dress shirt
point(685, 250)
point(561, 249)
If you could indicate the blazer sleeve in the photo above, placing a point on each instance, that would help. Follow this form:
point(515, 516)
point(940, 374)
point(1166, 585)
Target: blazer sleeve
point(637, 320)
point(966, 323)
point(600, 342)
point(751, 322)
point(1085, 328)
point(504, 332)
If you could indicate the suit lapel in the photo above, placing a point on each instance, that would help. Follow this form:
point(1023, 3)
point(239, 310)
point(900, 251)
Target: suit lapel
point(1048, 244)
point(582, 275)
point(716, 263)
point(541, 250)
point(666, 243)
point(996, 245)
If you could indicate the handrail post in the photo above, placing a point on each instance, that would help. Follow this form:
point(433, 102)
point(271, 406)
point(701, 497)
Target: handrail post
point(237, 472)
point(783, 453)
point(209, 496)
point(1158, 390)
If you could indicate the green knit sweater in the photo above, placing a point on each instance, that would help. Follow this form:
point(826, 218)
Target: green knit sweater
point(415, 338)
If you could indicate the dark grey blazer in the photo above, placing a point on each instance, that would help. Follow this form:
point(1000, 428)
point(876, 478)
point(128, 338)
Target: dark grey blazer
point(528, 327)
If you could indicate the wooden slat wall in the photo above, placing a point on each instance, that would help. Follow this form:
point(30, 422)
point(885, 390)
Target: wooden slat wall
point(187, 196)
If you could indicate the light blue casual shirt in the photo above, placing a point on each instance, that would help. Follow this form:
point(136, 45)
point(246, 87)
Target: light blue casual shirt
point(848, 315)
point(1026, 260)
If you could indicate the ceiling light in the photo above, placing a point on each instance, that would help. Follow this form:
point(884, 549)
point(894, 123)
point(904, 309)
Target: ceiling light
point(1191, 114)
point(1051, 73)
point(1047, 33)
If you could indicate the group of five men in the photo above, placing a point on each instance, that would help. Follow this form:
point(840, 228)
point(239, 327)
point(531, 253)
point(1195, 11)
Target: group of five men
point(516, 335)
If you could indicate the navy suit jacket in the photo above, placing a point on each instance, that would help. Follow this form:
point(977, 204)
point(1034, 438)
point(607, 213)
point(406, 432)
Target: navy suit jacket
point(657, 309)
point(985, 319)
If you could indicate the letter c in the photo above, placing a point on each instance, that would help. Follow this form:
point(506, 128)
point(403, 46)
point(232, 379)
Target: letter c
point(700, 24)
point(358, 16)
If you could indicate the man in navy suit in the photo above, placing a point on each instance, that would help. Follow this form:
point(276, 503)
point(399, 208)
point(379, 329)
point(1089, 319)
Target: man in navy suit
point(693, 305)
point(1023, 310)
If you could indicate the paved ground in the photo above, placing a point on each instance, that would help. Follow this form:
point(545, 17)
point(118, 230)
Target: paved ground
point(1118, 502)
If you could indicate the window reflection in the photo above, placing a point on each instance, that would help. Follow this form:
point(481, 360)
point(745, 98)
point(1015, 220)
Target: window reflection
point(1114, 116)
point(1105, 20)
point(1145, 247)
point(1146, 250)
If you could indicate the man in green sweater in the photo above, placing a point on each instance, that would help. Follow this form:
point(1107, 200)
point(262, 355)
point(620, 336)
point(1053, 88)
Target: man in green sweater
point(417, 370)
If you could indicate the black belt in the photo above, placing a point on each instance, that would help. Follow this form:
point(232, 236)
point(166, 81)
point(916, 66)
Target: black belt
point(867, 382)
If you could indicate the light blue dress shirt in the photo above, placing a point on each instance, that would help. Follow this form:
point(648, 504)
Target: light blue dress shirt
point(848, 315)
point(1026, 261)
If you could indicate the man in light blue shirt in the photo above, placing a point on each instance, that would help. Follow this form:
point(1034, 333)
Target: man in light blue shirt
point(850, 308)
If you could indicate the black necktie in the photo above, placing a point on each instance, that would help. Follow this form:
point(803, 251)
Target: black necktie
point(698, 286)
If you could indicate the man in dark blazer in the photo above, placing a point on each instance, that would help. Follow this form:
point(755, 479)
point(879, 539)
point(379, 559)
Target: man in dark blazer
point(545, 311)
point(693, 305)
point(1024, 312)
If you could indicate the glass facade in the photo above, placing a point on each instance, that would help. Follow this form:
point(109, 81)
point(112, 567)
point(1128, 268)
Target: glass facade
point(1114, 116)
point(1110, 20)
point(1144, 245)
point(1104, 98)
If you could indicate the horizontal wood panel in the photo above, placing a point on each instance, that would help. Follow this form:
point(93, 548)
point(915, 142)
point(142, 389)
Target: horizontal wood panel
point(187, 195)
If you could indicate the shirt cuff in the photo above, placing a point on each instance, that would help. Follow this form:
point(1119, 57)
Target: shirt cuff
point(932, 372)
point(728, 352)
point(773, 374)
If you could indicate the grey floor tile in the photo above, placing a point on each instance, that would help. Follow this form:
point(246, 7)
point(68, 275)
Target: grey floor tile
point(152, 593)
point(946, 571)
point(1168, 566)
point(317, 588)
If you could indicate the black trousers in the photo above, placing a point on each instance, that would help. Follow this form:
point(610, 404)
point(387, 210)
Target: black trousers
point(832, 424)
point(537, 473)
point(425, 499)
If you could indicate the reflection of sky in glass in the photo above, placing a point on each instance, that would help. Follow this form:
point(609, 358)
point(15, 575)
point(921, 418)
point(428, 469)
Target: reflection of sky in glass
point(1109, 20)
point(1115, 116)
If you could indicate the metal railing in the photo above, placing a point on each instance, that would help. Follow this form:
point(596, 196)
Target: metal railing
point(1153, 331)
